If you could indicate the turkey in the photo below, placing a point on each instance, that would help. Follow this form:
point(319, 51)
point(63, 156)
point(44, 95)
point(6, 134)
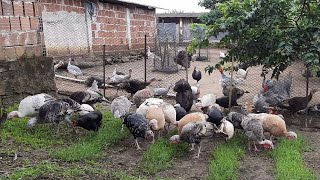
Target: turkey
point(120, 106)
point(90, 80)
point(74, 70)
point(196, 74)
point(116, 79)
point(133, 85)
point(183, 59)
point(224, 101)
point(138, 127)
point(254, 131)
point(215, 116)
point(90, 96)
point(241, 73)
point(227, 128)
point(90, 121)
point(205, 101)
point(53, 112)
point(30, 105)
point(226, 81)
point(162, 91)
point(184, 95)
point(180, 112)
point(140, 96)
point(235, 118)
point(192, 134)
point(195, 91)
point(169, 114)
point(85, 108)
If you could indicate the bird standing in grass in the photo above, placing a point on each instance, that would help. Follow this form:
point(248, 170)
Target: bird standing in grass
point(120, 106)
point(138, 127)
point(192, 134)
point(90, 121)
point(75, 70)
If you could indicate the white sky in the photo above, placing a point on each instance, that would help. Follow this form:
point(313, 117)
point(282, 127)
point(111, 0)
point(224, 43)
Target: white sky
point(180, 5)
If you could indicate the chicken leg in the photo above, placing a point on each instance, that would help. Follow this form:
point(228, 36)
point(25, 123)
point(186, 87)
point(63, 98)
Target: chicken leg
point(137, 144)
point(198, 154)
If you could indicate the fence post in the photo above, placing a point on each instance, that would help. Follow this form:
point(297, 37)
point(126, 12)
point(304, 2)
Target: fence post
point(104, 70)
point(145, 58)
point(231, 81)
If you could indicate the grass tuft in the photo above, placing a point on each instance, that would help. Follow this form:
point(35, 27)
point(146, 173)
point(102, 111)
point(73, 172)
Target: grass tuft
point(92, 146)
point(289, 160)
point(226, 162)
point(35, 171)
point(159, 156)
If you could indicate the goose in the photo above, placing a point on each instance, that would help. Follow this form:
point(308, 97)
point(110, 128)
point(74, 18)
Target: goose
point(30, 105)
point(75, 70)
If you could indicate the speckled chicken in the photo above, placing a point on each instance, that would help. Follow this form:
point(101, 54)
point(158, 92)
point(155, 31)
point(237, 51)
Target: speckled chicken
point(138, 127)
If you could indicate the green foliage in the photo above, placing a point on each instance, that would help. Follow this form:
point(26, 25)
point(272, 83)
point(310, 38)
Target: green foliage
point(271, 33)
point(159, 156)
point(92, 146)
point(289, 160)
point(226, 162)
point(199, 40)
point(34, 172)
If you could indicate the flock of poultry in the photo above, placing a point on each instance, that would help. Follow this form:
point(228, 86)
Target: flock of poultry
point(154, 115)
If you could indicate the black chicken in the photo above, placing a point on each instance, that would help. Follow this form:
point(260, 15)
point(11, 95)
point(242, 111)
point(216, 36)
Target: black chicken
point(184, 95)
point(133, 85)
point(138, 127)
point(196, 74)
point(90, 121)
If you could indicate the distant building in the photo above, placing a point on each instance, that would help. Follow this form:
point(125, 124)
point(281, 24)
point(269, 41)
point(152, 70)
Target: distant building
point(183, 22)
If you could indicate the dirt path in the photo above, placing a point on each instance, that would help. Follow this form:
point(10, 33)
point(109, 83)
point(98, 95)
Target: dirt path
point(256, 166)
point(312, 158)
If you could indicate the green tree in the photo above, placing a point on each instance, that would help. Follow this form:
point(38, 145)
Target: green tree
point(199, 38)
point(271, 33)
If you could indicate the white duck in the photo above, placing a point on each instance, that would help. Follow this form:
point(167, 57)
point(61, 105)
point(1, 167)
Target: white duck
point(30, 105)
point(75, 70)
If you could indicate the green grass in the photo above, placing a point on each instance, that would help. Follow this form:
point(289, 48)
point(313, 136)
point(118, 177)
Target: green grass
point(55, 171)
point(92, 146)
point(159, 156)
point(289, 160)
point(226, 159)
point(39, 137)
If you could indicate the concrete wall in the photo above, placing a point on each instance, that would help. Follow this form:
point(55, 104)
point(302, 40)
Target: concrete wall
point(19, 25)
point(19, 79)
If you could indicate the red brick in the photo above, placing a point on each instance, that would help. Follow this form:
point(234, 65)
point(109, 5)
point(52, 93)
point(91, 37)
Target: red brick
point(94, 26)
point(98, 41)
point(101, 34)
point(34, 23)
point(29, 51)
point(15, 23)
point(28, 9)
point(4, 24)
point(20, 51)
point(32, 38)
point(7, 8)
point(18, 8)
point(38, 51)
point(21, 38)
point(25, 23)
point(10, 53)
point(97, 48)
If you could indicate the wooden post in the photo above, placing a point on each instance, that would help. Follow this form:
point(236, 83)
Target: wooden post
point(187, 66)
point(145, 58)
point(104, 69)
point(231, 81)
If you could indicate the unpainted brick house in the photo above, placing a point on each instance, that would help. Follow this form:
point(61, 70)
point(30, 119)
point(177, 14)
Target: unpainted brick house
point(62, 28)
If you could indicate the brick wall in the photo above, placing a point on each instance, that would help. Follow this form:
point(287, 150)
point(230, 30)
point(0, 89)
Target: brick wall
point(19, 25)
point(143, 22)
point(111, 28)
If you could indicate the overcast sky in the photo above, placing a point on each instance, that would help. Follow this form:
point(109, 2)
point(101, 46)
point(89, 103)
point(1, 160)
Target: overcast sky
point(181, 5)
